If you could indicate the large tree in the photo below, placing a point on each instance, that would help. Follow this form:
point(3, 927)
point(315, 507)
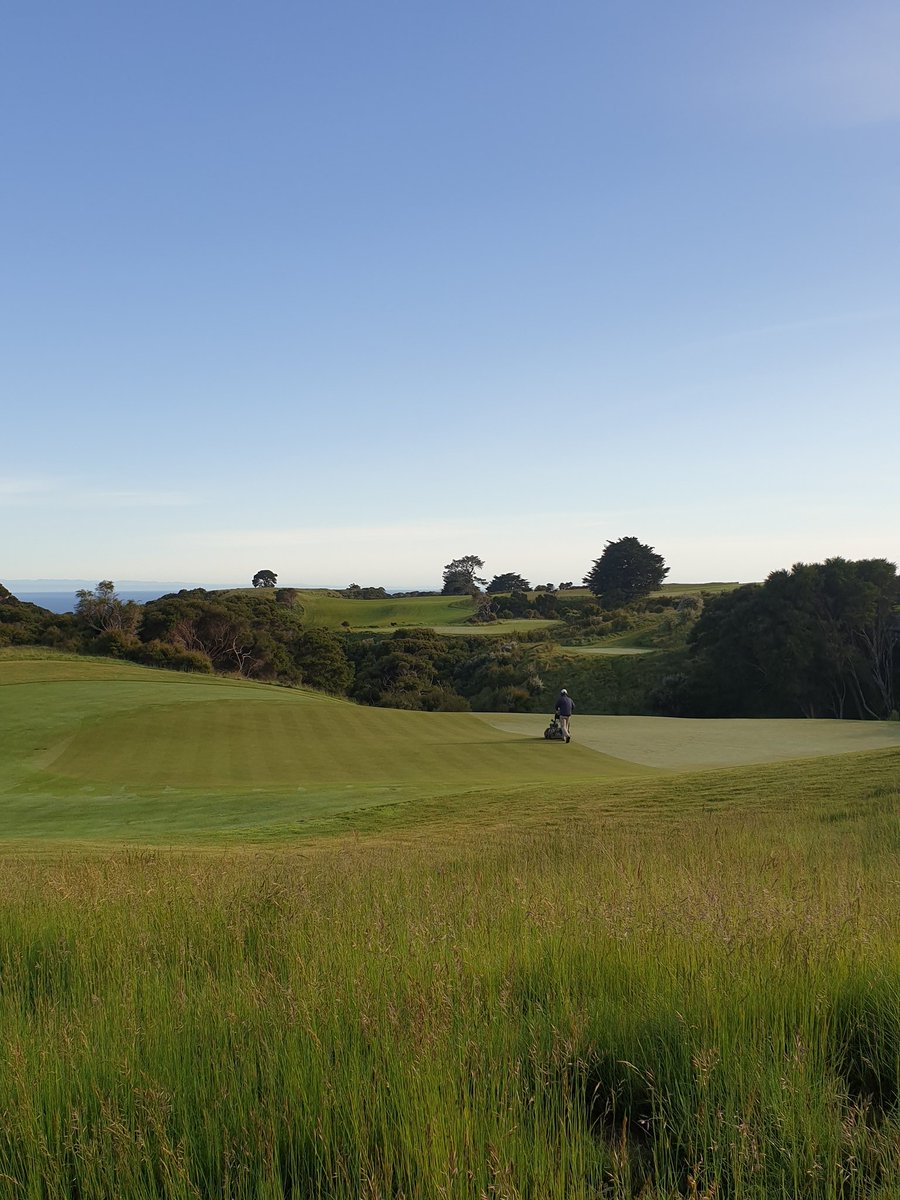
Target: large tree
point(460, 578)
point(625, 571)
point(510, 582)
point(265, 579)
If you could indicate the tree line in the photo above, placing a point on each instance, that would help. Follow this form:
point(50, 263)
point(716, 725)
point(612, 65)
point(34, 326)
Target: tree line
point(626, 571)
point(818, 640)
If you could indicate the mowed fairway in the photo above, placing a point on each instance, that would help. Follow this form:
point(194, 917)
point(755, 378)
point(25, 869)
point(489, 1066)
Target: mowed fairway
point(448, 615)
point(93, 750)
point(102, 750)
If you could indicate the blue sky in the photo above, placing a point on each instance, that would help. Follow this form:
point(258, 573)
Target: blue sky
point(349, 290)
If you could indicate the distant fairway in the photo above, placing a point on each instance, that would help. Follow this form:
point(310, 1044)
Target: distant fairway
point(93, 749)
point(613, 650)
point(447, 615)
point(329, 609)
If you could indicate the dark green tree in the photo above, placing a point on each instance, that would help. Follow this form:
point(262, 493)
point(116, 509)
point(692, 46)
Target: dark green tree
point(460, 578)
point(510, 582)
point(820, 640)
point(319, 656)
point(485, 609)
point(355, 592)
point(546, 605)
point(289, 597)
point(625, 571)
point(266, 579)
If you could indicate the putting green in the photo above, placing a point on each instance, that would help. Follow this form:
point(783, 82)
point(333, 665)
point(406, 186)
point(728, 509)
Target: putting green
point(684, 744)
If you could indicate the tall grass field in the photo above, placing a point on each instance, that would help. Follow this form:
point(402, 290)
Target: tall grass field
point(644, 976)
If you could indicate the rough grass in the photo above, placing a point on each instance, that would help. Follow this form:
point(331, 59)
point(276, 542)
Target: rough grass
point(630, 985)
point(701, 1002)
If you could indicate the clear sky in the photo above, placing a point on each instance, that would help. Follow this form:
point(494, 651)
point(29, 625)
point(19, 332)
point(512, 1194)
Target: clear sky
point(348, 289)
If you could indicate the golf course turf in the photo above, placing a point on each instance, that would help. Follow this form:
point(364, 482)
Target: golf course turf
point(260, 943)
point(103, 750)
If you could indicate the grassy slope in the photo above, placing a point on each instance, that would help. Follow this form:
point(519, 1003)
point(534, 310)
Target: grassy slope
point(328, 609)
point(445, 614)
point(695, 589)
point(655, 985)
point(687, 990)
point(100, 749)
point(97, 751)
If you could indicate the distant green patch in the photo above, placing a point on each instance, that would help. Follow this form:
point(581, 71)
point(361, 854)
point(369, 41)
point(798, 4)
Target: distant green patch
point(612, 648)
point(695, 589)
point(329, 610)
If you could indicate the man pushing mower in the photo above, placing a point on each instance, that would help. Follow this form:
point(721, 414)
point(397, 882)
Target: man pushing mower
point(558, 730)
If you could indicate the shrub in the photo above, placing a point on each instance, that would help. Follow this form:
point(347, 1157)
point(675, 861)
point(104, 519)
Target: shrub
point(115, 643)
point(173, 658)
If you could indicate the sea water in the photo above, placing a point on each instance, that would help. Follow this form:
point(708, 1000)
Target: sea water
point(63, 602)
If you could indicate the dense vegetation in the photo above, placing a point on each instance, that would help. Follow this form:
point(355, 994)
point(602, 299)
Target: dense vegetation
point(24, 624)
point(819, 640)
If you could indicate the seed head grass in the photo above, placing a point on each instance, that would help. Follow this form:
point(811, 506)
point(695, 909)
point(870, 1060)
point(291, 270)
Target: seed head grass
point(657, 985)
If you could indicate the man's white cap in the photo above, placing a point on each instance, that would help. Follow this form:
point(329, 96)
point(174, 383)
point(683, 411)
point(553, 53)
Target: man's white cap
point(564, 692)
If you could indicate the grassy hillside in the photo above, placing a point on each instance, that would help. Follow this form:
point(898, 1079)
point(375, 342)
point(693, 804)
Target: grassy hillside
point(695, 589)
point(98, 751)
point(325, 609)
point(328, 609)
point(511, 969)
point(94, 749)
point(447, 614)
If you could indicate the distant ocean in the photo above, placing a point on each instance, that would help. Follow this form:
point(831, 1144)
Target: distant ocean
point(62, 602)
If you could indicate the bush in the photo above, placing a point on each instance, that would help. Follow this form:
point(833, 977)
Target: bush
point(671, 696)
point(115, 643)
point(173, 658)
point(288, 597)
